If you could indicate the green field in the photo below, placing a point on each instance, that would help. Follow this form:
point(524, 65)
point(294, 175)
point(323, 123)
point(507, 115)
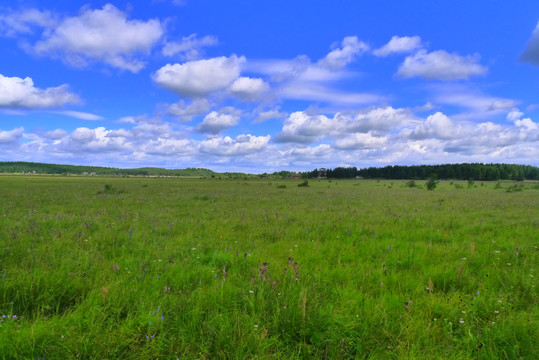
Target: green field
point(140, 268)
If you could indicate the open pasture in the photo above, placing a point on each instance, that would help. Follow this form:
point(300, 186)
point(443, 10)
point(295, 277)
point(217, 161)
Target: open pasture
point(140, 268)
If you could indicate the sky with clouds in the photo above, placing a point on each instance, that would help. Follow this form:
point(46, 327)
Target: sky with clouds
point(263, 86)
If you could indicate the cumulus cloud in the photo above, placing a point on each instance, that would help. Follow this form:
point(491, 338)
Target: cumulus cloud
point(483, 138)
point(168, 147)
point(85, 140)
point(241, 145)
point(440, 65)
point(201, 77)
point(215, 122)
point(531, 53)
point(11, 136)
point(149, 129)
point(515, 116)
point(360, 141)
point(307, 155)
point(526, 124)
point(301, 127)
point(438, 126)
point(377, 120)
point(314, 141)
point(16, 92)
point(399, 44)
point(104, 35)
point(249, 89)
point(338, 58)
point(189, 47)
point(304, 128)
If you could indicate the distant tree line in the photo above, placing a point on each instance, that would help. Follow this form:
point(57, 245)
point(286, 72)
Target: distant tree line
point(466, 171)
point(21, 167)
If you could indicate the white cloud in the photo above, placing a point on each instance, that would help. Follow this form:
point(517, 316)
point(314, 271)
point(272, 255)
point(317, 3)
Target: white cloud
point(526, 124)
point(299, 79)
point(483, 138)
point(241, 145)
point(438, 126)
point(301, 127)
point(216, 122)
point(11, 136)
point(249, 89)
point(104, 35)
point(440, 65)
point(168, 147)
point(395, 136)
point(22, 22)
point(399, 44)
point(16, 92)
point(350, 48)
point(531, 53)
point(307, 155)
point(79, 115)
point(514, 114)
point(312, 91)
point(55, 134)
point(148, 129)
point(378, 120)
point(186, 112)
point(271, 114)
point(190, 47)
point(304, 128)
point(201, 77)
point(482, 105)
point(298, 68)
point(83, 134)
point(360, 141)
point(84, 140)
point(428, 106)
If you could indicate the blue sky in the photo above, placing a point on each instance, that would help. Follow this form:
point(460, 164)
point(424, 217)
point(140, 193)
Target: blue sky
point(263, 86)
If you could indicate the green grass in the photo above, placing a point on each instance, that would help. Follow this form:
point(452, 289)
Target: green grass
point(136, 268)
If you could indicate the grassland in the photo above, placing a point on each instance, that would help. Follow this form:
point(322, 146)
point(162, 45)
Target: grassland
point(137, 268)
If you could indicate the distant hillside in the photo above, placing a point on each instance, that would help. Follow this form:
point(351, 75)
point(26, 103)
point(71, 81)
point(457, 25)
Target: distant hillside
point(20, 167)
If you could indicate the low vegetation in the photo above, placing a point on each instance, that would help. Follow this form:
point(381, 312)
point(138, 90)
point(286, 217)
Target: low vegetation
point(140, 268)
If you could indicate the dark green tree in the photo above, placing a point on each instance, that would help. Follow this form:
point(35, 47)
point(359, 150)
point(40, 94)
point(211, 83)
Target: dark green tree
point(433, 181)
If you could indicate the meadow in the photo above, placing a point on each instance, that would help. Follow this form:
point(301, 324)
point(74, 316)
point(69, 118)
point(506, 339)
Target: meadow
point(172, 268)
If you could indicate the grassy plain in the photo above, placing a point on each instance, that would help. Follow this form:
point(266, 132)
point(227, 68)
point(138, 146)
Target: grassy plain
point(139, 268)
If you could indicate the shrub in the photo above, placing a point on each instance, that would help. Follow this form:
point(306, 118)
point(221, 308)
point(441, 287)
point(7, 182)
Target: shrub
point(515, 187)
point(433, 181)
point(109, 190)
point(304, 183)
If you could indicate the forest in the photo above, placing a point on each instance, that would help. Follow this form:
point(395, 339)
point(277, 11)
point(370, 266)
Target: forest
point(465, 171)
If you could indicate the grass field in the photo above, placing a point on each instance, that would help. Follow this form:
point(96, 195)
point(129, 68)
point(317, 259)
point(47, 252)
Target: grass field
point(139, 268)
